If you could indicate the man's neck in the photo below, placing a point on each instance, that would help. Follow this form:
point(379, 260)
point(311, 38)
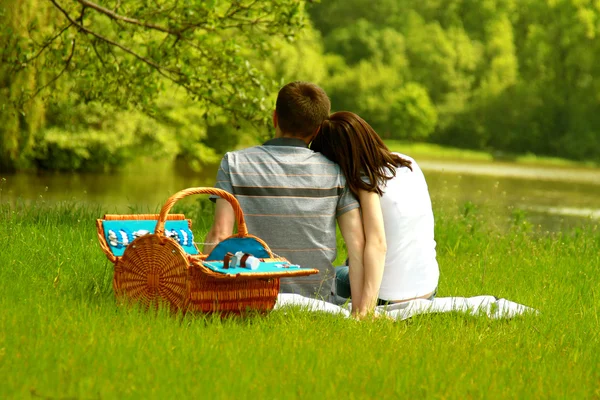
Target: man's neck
point(286, 141)
point(279, 134)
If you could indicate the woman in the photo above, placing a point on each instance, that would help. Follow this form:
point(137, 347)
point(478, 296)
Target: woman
point(396, 212)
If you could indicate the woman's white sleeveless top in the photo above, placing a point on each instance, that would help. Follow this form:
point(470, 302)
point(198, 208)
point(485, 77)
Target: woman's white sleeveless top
point(411, 269)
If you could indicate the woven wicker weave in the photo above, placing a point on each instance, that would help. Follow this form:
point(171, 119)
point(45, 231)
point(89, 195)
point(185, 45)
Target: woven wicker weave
point(208, 293)
point(155, 269)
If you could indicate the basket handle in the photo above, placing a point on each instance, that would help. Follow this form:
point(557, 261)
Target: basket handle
point(239, 214)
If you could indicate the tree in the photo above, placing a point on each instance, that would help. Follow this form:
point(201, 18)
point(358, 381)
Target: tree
point(558, 54)
point(333, 14)
point(489, 117)
point(97, 137)
point(300, 58)
point(18, 125)
point(412, 114)
point(127, 53)
point(394, 108)
point(362, 40)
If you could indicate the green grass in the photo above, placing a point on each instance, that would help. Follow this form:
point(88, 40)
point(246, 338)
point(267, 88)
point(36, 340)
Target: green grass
point(62, 336)
point(437, 152)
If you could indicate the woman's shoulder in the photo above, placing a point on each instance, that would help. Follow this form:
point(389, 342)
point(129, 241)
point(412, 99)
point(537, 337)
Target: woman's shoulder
point(405, 156)
point(413, 162)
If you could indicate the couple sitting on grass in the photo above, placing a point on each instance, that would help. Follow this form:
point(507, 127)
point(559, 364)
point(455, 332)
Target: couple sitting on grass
point(320, 168)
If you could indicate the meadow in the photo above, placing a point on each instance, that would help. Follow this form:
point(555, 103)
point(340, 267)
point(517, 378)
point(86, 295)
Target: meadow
point(63, 336)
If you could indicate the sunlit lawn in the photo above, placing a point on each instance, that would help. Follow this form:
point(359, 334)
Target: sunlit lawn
point(62, 336)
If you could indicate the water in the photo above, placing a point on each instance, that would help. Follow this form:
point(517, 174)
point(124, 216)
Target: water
point(553, 197)
point(145, 188)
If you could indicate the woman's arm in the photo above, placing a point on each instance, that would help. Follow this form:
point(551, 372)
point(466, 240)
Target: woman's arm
point(374, 252)
point(351, 226)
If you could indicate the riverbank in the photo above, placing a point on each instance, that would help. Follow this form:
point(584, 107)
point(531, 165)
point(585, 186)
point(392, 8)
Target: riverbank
point(430, 151)
point(62, 336)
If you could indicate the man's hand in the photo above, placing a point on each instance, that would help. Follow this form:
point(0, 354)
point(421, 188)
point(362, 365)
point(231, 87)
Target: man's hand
point(222, 226)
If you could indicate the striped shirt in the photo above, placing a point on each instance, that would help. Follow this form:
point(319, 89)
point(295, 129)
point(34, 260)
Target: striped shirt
point(291, 197)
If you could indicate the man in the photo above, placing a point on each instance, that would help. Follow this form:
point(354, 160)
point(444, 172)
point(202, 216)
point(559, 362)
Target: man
point(290, 195)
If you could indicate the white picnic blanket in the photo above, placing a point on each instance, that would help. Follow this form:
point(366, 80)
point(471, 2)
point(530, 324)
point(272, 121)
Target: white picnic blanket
point(488, 305)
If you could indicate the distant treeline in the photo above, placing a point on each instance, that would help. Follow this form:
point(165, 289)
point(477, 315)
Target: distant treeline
point(505, 76)
point(508, 75)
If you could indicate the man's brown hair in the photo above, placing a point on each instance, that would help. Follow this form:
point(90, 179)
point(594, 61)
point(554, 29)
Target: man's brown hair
point(301, 108)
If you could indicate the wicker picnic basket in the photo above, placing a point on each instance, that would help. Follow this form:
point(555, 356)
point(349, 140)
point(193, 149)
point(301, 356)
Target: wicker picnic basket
point(154, 268)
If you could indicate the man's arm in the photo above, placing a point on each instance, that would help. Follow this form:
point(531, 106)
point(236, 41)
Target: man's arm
point(351, 227)
point(222, 226)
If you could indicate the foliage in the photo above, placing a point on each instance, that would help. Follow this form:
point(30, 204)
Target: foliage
point(412, 114)
point(299, 58)
point(96, 137)
point(378, 94)
point(503, 76)
point(363, 41)
point(186, 126)
point(130, 53)
point(93, 137)
point(19, 126)
point(126, 52)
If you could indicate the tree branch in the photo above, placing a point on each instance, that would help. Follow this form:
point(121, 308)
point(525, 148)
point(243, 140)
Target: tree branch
point(123, 18)
point(229, 14)
point(113, 43)
point(248, 18)
point(67, 63)
point(98, 54)
point(240, 8)
point(48, 43)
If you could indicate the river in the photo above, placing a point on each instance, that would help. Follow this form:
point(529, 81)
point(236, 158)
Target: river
point(553, 197)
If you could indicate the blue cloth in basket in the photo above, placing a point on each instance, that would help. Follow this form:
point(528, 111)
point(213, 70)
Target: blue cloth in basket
point(247, 245)
point(125, 231)
point(264, 266)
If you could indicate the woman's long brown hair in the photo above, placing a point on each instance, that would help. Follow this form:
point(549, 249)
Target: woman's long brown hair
point(348, 140)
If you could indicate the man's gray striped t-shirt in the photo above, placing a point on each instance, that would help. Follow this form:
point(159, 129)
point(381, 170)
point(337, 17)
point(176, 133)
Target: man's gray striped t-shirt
point(291, 197)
